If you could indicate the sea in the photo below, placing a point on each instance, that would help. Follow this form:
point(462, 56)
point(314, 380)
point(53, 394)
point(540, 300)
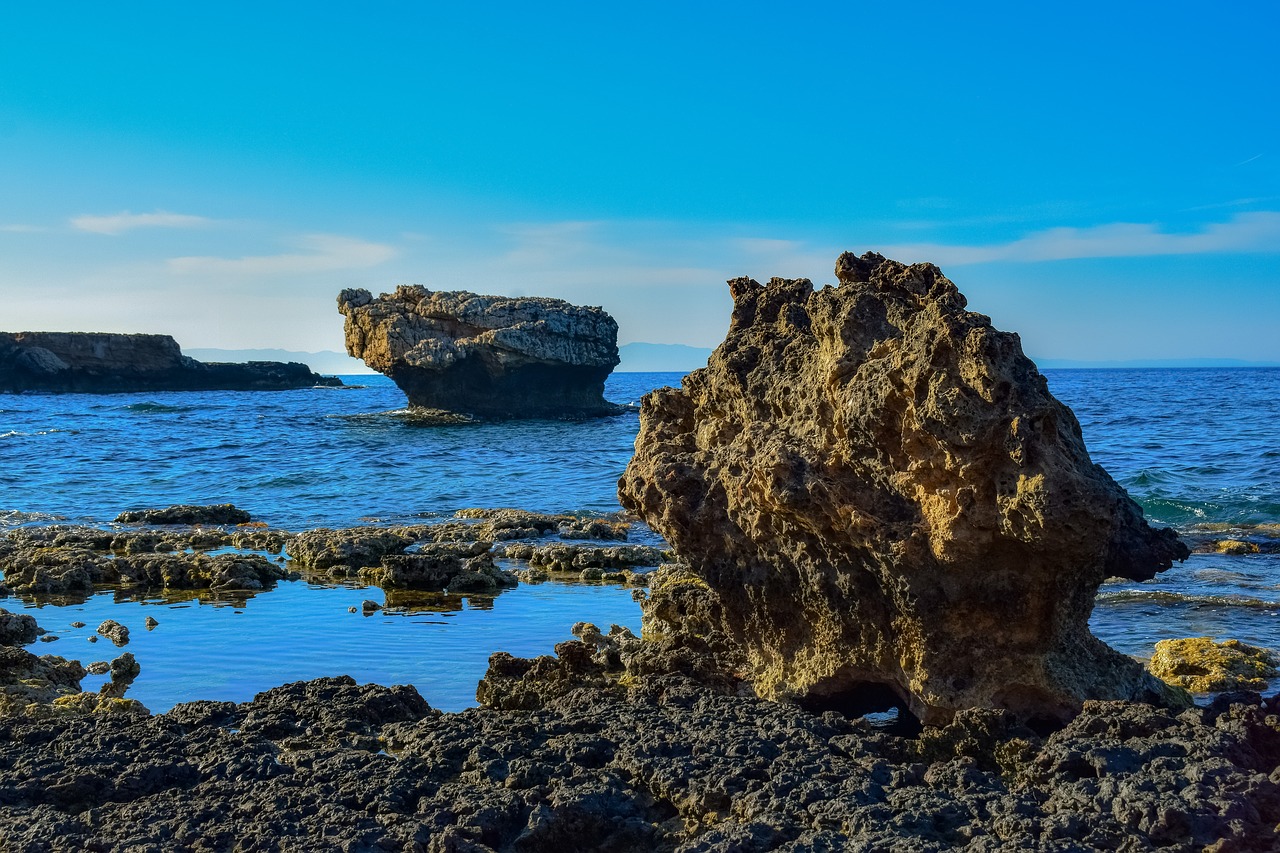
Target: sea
point(1199, 449)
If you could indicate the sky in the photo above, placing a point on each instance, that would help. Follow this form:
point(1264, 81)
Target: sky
point(1103, 179)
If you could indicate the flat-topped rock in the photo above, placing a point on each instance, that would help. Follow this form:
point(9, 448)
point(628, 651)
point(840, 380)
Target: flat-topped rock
point(485, 356)
point(881, 492)
point(101, 363)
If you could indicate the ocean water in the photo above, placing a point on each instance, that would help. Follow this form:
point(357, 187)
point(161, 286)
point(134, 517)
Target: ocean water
point(1199, 449)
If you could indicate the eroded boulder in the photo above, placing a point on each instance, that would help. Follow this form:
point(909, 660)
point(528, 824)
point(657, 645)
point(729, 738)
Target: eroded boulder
point(880, 490)
point(485, 356)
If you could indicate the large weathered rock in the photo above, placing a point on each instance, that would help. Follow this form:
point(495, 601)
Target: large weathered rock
point(485, 356)
point(100, 363)
point(881, 491)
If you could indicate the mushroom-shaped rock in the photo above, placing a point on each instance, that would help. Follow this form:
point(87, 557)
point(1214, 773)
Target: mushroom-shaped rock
point(485, 356)
point(881, 492)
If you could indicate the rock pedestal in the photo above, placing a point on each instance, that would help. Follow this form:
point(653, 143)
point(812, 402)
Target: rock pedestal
point(485, 356)
point(881, 492)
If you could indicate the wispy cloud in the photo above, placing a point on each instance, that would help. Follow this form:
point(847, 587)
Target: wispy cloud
point(119, 223)
point(320, 253)
point(22, 229)
point(1246, 232)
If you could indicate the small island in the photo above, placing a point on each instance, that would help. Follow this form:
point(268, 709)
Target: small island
point(485, 357)
point(102, 363)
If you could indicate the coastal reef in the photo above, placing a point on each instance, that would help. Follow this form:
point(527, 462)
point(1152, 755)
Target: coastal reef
point(880, 496)
point(333, 764)
point(100, 363)
point(489, 357)
point(74, 560)
point(229, 557)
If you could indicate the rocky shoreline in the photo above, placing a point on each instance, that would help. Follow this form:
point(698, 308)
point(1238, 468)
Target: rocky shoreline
point(671, 766)
point(611, 744)
point(872, 632)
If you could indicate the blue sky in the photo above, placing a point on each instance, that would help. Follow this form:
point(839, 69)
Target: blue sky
point(1102, 178)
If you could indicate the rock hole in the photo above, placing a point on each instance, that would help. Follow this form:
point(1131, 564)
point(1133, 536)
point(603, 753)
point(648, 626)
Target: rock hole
point(878, 703)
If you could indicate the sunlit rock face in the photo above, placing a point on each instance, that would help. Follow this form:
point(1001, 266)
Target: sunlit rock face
point(881, 491)
point(485, 356)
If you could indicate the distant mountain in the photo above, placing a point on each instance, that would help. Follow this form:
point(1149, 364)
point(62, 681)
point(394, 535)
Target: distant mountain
point(661, 358)
point(327, 362)
point(1148, 363)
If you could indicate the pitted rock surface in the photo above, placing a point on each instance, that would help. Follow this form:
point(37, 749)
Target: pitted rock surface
point(329, 764)
point(485, 356)
point(880, 489)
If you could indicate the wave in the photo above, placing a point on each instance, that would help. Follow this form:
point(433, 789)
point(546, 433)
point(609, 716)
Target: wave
point(12, 517)
point(150, 408)
point(1139, 596)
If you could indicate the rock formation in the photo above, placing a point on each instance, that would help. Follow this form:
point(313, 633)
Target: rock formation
point(485, 356)
point(89, 362)
point(882, 493)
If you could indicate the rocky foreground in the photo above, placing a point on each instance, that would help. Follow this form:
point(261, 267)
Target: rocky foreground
point(329, 764)
point(100, 363)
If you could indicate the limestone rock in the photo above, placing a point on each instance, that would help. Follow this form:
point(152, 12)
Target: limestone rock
point(100, 363)
point(1203, 666)
point(485, 356)
point(881, 491)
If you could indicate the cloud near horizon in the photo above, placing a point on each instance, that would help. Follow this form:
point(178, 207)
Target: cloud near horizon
point(321, 253)
point(1257, 231)
point(119, 223)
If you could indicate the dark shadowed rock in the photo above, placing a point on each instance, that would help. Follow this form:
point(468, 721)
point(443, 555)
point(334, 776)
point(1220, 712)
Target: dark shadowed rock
point(100, 363)
point(485, 356)
point(880, 491)
point(17, 629)
point(332, 765)
point(187, 514)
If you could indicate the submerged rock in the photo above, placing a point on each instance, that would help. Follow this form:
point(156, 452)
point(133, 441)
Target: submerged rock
point(1203, 666)
point(485, 356)
point(97, 363)
point(880, 491)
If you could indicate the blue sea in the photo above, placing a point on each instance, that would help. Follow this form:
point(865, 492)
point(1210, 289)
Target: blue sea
point(1198, 448)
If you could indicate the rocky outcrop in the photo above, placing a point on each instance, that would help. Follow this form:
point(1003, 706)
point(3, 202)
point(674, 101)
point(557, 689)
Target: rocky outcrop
point(100, 363)
point(880, 492)
point(17, 629)
point(74, 560)
point(187, 514)
point(1203, 666)
point(485, 356)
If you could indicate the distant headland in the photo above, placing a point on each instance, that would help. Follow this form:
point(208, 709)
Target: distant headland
point(103, 363)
